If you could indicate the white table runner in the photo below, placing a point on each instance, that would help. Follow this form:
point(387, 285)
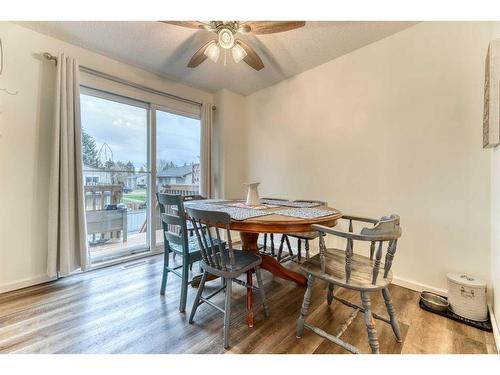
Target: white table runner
point(236, 213)
point(306, 213)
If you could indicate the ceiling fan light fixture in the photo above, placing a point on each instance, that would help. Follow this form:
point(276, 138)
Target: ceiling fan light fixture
point(238, 53)
point(226, 38)
point(213, 52)
point(227, 32)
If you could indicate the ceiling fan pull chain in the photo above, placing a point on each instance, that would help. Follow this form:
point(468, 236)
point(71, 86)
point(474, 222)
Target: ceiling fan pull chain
point(225, 54)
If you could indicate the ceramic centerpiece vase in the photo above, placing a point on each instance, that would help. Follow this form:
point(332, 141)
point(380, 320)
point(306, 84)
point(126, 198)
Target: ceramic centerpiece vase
point(252, 194)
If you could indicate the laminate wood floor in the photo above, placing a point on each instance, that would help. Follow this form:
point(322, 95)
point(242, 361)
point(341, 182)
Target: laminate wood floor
point(119, 310)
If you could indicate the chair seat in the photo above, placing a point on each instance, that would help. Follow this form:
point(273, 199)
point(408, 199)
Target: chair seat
point(193, 244)
point(243, 261)
point(305, 235)
point(361, 271)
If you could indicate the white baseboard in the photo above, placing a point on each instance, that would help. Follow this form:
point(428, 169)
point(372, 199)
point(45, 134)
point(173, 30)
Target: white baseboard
point(400, 281)
point(496, 331)
point(25, 283)
point(416, 286)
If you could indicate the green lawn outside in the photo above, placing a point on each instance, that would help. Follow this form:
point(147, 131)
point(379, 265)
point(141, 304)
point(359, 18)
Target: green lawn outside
point(136, 196)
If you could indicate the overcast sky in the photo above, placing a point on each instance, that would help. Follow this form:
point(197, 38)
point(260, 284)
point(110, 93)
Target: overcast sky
point(124, 128)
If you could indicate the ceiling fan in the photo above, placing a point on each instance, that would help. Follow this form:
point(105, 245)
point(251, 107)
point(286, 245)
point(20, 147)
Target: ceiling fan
point(227, 31)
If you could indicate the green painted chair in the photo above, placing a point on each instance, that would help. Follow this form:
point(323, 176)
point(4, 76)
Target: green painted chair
point(177, 241)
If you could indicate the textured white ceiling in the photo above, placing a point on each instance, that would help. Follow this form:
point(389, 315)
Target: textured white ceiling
point(166, 49)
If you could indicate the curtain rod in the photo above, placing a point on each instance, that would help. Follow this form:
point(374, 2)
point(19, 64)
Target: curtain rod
point(49, 56)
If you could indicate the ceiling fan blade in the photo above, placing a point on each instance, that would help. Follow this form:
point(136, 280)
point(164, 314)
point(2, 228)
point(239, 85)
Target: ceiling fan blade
point(270, 27)
point(243, 28)
point(200, 56)
point(251, 58)
point(190, 24)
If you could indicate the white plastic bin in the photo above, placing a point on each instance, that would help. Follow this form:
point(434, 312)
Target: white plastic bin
point(467, 296)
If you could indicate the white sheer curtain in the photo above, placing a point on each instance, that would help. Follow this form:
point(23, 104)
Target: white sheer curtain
point(206, 150)
point(67, 245)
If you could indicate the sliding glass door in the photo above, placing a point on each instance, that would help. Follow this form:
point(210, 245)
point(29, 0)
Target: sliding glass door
point(116, 174)
point(177, 156)
point(128, 145)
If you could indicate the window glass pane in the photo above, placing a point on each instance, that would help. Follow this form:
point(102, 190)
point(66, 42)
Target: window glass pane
point(114, 148)
point(177, 157)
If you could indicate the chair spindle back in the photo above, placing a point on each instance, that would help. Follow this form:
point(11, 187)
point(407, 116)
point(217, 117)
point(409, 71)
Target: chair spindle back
point(386, 230)
point(208, 226)
point(173, 219)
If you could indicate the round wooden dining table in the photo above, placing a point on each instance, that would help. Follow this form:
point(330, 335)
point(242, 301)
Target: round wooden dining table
point(249, 233)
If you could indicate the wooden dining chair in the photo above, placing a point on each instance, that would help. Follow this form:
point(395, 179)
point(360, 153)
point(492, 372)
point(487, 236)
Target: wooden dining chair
point(177, 241)
point(190, 229)
point(300, 236)
point(343, 268)
point(222, 261)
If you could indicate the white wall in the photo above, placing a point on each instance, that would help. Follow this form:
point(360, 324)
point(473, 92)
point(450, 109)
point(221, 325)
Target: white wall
point(230, 144)
point(495, 222)
point(25, 130)
point(393, 127)
point(495, 232)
